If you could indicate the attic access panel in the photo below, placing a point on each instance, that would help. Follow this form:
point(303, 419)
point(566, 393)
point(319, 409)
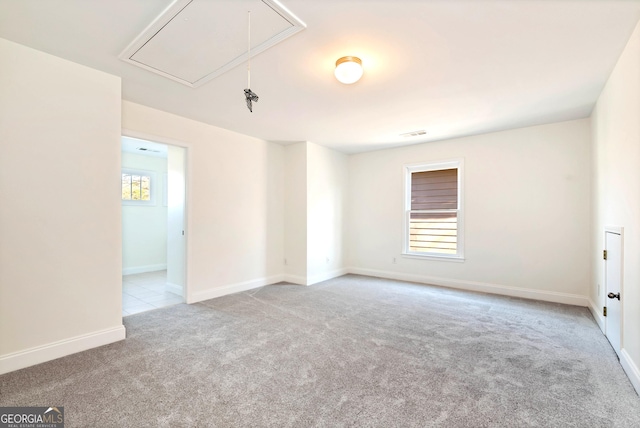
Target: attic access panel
point(194, 41)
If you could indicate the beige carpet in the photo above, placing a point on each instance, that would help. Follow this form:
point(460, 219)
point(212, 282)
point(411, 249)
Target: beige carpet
point(353, 351)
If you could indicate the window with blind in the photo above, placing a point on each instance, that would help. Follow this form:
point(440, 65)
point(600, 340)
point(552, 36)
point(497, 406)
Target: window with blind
point(433, 220)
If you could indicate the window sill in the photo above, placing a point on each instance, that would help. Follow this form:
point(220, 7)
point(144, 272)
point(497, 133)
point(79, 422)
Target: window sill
point(456, 259)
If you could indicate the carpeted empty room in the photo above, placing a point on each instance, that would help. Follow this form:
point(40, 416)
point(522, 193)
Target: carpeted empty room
point(352, 351)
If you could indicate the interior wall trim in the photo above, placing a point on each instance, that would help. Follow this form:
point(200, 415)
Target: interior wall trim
point(325, 276)
point(143, 269)
point(220, 291)
point(596, 311)
point(631, 369)
point(295, 279)
point(504, 290)
point(174, 288)
point(61, 348)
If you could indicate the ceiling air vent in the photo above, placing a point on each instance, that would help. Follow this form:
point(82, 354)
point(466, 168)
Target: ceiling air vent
point(413, 133)
point(146, 149)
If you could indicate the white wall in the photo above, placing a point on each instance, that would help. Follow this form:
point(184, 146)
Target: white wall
point(527, 220)
point(144, 227)
point(234, 201)
point(295, 213)
point(60, 246)
point(327, 198)
point(616, 193)
point(315, 213)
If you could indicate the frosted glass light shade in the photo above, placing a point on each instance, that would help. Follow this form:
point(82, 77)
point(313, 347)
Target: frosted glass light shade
point(348, 69)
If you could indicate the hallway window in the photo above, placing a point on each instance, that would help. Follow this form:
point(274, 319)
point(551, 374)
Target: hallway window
point(137, 187)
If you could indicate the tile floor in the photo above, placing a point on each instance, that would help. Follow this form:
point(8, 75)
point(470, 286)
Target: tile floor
point(145, 291)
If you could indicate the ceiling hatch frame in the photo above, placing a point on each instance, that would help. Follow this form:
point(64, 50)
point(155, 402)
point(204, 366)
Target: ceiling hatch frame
point(175, 8)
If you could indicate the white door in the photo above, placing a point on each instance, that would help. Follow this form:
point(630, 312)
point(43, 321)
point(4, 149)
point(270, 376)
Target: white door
point(613, 287)
point(176, 240)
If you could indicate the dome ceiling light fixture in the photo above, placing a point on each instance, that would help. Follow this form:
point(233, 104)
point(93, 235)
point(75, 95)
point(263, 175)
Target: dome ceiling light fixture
point(348, 69)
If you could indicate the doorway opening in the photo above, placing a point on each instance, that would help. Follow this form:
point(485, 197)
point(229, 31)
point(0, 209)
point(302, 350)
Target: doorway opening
point(153, 225)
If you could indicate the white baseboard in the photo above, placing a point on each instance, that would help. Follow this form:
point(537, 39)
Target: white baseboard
point(174, 288)
point(61, 348)
point(596, 311)
point(143, 269)
point(505, 290)
point(310, 280)
point(631, 369)
point(212, 293)
point(326, 276)
point(294, 279)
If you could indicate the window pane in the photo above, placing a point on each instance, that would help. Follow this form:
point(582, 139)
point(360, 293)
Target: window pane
point(135, 187)
point(126, 187)
point(433, 233)
point(145, 188)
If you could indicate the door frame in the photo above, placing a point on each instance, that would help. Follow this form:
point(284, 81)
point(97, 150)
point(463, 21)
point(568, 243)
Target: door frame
point(618, 230)
point(187, 199)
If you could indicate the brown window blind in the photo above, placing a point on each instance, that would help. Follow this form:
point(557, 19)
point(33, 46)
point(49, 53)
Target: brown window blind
point(434, 190)
point(433, 219)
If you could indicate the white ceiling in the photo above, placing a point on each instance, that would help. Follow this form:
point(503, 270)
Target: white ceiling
point(194, 41)
point(143, 147)
point(450, 67)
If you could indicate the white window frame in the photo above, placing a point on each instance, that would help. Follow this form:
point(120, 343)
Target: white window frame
point(434, 166)
point(153, 183)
